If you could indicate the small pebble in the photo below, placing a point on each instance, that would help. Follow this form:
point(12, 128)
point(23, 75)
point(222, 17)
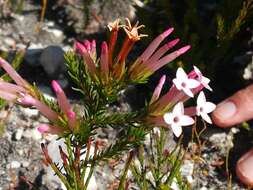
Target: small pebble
point(18, 135)
point(25, 164)
point(36, 135)
point(13, 165)
point(32, 113)
point(9, 42)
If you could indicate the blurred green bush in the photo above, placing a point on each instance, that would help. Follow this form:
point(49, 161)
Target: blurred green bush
point(212, 27)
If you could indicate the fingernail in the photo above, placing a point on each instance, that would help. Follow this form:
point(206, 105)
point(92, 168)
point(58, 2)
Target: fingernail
point(244, 168)
point(225, 110)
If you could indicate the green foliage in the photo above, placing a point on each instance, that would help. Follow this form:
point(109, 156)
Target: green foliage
point(211, 31)
point(157, 168)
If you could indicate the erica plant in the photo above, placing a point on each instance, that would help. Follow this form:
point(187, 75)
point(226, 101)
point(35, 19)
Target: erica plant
point(100, 78)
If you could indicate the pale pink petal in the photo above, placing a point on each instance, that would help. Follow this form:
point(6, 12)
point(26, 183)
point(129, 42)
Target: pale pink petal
point(61, 97)
point(13, 74)
point(180, 74)
point(161, 51)
point(192, 83)
point(206, 118)
point(188, 92)
point(209, 107)
point(11, 88)
point(178, 109)
point(154, 44)
point(43, 108)
point(186, 120)
point(166, 59)
point(87, 44)
point(178, 83)
point(104, 60)
point(158, 89)
point(168, 118)
point(201, 100)
point(177, 129)
point(71, 119)
point(8, 96)
point(205, 82)
point(196, 69)
point(44, 128)
point(79, 47)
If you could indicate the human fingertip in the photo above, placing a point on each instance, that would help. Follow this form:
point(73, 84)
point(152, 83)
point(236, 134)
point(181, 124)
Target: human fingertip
point(244, 168)
point(223, 112)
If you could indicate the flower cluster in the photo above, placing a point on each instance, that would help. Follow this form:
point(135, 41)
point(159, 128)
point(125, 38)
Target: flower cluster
point(110, 68)
point(184, 87)
point(23, 93)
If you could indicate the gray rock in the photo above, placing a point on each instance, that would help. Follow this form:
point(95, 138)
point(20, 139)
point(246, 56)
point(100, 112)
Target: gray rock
point(52, 61)
point(32, 56)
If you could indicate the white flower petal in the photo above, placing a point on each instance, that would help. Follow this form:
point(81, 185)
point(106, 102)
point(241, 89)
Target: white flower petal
point(168, 118)
point(178, 109)
point(186, 120)
point(192, 83)
point(201, 100)
point(206, 118)
point(188, 92)
point(177, 130)
point(177, 82)
point(181, 74)
point(205, 80)
point(209, 107)
point(196, 69)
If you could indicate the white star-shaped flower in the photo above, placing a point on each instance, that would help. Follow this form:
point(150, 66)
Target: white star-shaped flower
point(203, 80)
point(204, 107)
point(176, 119)
point(182, 82)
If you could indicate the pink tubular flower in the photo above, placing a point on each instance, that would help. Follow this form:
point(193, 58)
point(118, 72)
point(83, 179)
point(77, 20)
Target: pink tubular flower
point(86, 56)
point(64, 104)
point(162, 50)
point(114, 28)
point(154, 44)
point(44, 128)
point(158, 89)
point(61, 97)
point(104, 59)
point(176, 93)
point(44, 109)
point(93, 49)
point(71, 119)
point(13, 74)
point(151, 59)
point(168, 58)
point(78, 47)
point(176, 119)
